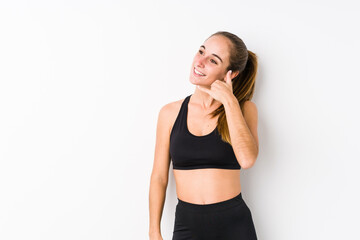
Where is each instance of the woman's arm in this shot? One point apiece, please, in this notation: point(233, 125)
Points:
point(160, 172)
point(243, 130)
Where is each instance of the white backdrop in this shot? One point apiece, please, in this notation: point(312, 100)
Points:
point(82, 82)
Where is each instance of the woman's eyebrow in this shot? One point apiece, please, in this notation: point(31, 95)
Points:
point(213, 54)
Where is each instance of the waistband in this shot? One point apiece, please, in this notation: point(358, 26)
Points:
point(232, 202)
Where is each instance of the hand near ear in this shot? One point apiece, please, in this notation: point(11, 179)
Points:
point(220, 89)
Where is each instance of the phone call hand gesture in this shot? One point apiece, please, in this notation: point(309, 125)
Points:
point(220, 90)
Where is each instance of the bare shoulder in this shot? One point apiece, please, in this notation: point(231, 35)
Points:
point(169, 112)
point(250, 108)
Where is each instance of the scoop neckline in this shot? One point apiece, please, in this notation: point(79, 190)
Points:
point(186, 122)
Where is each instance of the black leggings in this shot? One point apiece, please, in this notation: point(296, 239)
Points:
point(227, 220)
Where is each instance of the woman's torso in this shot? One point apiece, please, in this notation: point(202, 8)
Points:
point(206, 185)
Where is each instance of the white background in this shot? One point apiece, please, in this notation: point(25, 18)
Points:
point(82, 82)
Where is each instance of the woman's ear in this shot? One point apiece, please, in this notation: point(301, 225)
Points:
point(234, 74)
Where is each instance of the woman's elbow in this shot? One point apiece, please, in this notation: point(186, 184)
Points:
point(248, 164)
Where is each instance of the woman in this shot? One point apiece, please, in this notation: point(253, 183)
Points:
point(209, 136)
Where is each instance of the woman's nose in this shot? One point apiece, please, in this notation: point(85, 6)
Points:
point(200, 61)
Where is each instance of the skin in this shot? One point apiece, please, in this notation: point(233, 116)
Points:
point(204, 186)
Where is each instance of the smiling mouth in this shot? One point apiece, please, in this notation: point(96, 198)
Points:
point(197, 73)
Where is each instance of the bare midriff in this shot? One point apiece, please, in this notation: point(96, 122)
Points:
point(207, 185)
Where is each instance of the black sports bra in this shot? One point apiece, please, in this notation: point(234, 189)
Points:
point(188, 151)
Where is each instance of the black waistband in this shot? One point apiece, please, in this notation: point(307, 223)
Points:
point(232, 202)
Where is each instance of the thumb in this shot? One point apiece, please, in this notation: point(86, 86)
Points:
point(228, 77)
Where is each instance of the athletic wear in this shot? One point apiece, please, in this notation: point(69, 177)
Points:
point(226, 220)
point(193, 152)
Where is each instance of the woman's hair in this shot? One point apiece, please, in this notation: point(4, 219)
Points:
point(245, 61)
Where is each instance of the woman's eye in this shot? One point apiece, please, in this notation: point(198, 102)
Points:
point(212, 60)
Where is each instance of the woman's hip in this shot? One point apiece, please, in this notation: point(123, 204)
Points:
point(229, 219)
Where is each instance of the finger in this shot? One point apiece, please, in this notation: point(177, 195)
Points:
point(228, 77)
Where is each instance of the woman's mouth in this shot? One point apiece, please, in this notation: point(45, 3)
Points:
point(197, 73)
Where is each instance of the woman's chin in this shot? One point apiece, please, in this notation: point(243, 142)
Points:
point(195, 80)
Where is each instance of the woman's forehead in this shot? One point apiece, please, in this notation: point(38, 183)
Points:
point(218, 45)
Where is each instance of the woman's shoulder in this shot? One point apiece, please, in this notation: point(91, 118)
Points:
point(169, 111)
point(171, 108)
point(249, 107)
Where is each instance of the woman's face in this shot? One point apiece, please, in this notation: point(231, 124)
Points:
point(211, 60)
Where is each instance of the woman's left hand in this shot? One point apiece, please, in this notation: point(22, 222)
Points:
point(220, 90)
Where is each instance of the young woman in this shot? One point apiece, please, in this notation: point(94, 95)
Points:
point(209, 136)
